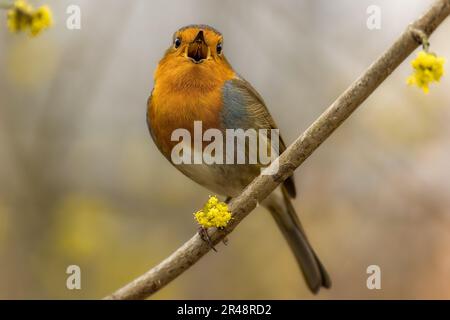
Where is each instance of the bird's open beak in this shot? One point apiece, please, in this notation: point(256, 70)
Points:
point(198, 50)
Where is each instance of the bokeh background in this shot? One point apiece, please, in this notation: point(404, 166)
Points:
point(82, 183)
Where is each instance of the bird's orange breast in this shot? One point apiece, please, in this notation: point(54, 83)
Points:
point(183, 93)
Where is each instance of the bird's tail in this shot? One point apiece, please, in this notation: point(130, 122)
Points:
point(287, 220)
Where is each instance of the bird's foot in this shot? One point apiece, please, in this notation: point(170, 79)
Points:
point(225, 241)
point(203, 233)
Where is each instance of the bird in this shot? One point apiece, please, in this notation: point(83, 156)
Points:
point(195, 82)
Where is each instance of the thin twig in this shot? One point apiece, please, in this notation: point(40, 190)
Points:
point(195, 248)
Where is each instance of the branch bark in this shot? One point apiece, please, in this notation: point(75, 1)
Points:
point(195, 248)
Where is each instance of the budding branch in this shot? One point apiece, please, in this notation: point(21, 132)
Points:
point(195, 248)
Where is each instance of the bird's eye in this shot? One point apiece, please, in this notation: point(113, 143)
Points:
point(177, 43)
point(219, 48)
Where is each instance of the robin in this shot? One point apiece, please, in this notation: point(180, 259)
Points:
point(195, 83)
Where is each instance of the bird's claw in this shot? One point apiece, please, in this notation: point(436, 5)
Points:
point(225, 241)
point(203, 232)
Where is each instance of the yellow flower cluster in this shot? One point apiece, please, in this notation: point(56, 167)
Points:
point(427, 68)
point(214, 214)
point(22, 17)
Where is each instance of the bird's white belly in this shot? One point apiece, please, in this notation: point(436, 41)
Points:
point(223, 179)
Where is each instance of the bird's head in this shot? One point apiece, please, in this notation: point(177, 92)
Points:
point(197, 44)
point(195, 50)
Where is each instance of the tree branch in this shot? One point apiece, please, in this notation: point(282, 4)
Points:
point(195, 248)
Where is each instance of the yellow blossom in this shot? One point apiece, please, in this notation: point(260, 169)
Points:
point(427, 68)
point(19, 16)
point(42, 19)
point(214, 214)
point(22, 17)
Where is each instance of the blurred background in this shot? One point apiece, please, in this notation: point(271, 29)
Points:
point(82, 182)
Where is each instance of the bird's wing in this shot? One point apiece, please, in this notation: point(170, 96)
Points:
point(245, 109)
